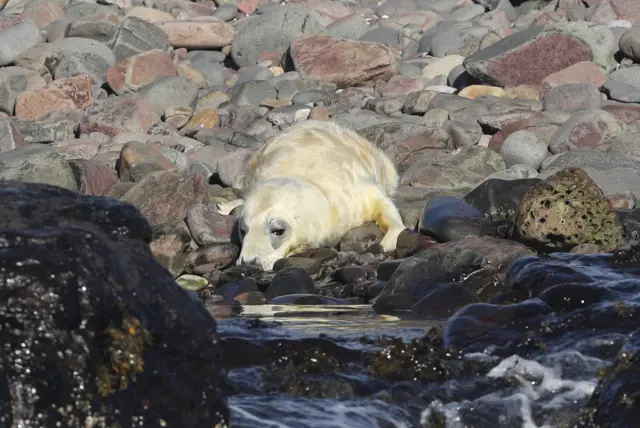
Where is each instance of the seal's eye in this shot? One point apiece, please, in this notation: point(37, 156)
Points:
point(278, 231)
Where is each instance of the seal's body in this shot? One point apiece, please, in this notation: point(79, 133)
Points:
point(309, 186)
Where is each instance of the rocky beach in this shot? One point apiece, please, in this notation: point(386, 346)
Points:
point(511, 300)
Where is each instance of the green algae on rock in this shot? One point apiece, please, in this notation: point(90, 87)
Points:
point(568, 209)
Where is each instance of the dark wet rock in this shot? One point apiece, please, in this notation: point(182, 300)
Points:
point(100, 329)
point(361, 238)
point(165, 195)
point(322, 255)
point(352, 274)
point(386, 269)
point(290, 281)
point(411, 242)
point(477, 326)
point(211, 257)
point(465, 260)
point(498, 200)
point(311, 265)
point(447, 219)
point(168, 245)
point(444, 302)
point(234, 289)
point(567, 209)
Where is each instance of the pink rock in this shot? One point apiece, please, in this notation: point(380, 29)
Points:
point(70, 93)
point(581, 72)
point(626, 113)
point(120, 114)
point(198, 33)
point(627, 9)
point(248, 6)
point(7, 21)
point(136, 71)
point(527, 57)
point(166, 196)
point(43, 13)
point(94, 177)
point(343, 62)
point(401, 85)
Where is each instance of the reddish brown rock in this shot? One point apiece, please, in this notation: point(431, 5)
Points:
point(527, 57)
point(135, 153)
point(120, 114)
point(533, 123)
point(43, 13)
point(343, 62)
point(198, 33)
point(585, 129)
point(94, 177)
point(7, 21)
point(626, 113)
point(60, 95)
point(211, 257)
point(401, 85)
point(166, 196)
point(208, 226)
point(581, 72)
point(132, 73)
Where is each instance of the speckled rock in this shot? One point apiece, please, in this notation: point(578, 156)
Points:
point(568, 209)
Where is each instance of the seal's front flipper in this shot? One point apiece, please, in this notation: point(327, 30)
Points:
point(225, 208)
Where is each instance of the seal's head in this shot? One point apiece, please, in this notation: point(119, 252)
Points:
point(280, 217)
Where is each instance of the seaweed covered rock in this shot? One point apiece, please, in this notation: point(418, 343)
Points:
point(95, 332)
point(568, 209)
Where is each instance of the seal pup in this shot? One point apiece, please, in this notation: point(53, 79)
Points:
point(307, 187)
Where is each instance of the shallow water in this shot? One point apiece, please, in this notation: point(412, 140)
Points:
point(535, 371)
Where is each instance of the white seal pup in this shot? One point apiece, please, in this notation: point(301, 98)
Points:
point(310, 185)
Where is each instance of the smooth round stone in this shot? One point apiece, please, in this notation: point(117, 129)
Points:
point(226, 12)
point(524, 147)
point(386, 269)
point(448, 219)
point(311, 97)
point(290, 281)
point(310, 265)
point(499, 200)
point(192, 282)
point(392, 302)
point(234, 289)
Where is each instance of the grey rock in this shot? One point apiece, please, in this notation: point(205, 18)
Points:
point(227, 12)
point(257, 72)
point(466, 12)
point(624, 85)
point(46, 130)
point(209, 64)
point(515, 172)
point(80, 45)
point(16, 40)
point(137, 35)
point(272, 31)
point(252, 93)
point(231, 167)
point(524, 147)
point(288, 115)
point(10, 137)
point(170, 91)
point(572, 97)
point(384, 36)
point(13, 81)
point(629, 43)
point(465, 133)
point(102, 30)
point(93, 65)
point(585, 128)
point(36, 164)
point(351, 27)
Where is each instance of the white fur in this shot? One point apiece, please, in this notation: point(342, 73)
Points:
point(317, 181)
